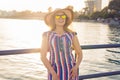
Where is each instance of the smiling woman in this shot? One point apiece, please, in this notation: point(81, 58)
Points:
point(58, 41)
point(38, 5)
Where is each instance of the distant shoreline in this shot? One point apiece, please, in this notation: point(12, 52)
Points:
point(37, 18)
point(111, 23)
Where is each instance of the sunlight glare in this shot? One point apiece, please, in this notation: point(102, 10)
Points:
point(39, 5)
point(29, 33)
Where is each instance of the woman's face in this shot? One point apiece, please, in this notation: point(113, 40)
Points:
point(60, 19)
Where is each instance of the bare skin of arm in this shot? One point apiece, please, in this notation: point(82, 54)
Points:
point(78, 52)
point(44, 51)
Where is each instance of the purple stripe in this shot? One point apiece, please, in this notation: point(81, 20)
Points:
point(68, 59)
point(52, 55)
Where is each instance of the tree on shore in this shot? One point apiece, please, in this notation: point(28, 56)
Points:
point(114, 7)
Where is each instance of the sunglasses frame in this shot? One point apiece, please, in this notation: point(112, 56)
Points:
point(63, 16)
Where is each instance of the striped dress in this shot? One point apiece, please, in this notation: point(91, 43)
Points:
point(61, 57)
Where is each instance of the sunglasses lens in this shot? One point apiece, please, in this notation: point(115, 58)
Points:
point(57, 17)
point(63, 16)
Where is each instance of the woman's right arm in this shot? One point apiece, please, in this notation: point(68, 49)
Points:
point(44, 51)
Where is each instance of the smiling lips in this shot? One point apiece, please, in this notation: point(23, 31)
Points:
point(60, 21)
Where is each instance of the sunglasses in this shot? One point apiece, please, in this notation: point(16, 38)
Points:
point(62, 16)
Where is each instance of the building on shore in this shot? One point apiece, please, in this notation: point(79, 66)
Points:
point(95, 5)
point(89, 6)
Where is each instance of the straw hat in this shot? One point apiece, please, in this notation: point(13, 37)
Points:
point(49, 18)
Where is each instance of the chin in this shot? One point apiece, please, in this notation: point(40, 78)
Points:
point(61, 24)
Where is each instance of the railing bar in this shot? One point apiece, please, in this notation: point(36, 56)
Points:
point(19, 51)
point(84, 47)
point(99, 46)
point(99, 75)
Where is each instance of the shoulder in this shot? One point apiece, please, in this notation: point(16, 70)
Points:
point(46, 33)
point(72, 33)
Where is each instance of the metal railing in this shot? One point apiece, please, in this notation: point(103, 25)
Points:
point(84, 47)
point(99, 75)
point(35, 50)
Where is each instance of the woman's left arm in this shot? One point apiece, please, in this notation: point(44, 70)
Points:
point(78, 51)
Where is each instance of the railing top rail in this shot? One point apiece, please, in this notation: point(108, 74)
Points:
point(99, 75)
point(100, 46)
point(35, 50)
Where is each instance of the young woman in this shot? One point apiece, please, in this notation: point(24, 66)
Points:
point(59, 42)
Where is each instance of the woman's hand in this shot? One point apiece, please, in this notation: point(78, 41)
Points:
point(73, 72)
point(55, 76)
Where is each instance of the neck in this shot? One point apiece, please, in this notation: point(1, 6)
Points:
point(59, 29)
